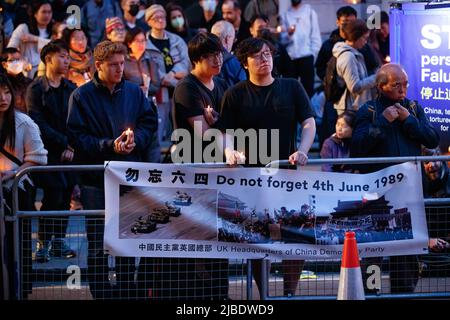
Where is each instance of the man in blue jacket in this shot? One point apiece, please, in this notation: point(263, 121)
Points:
point(393, 126)
point(100, 112)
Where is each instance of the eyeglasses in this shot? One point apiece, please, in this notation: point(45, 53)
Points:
point(265, 54)
point(214, 57)
point(158, 18)
point(399, 85)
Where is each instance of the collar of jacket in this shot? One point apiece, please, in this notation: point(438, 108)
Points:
point(46, 85)
point(98, 83)
point(386, 102)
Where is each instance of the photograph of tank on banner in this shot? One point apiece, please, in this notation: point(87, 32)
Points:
point(168, 213)
point(317, 220)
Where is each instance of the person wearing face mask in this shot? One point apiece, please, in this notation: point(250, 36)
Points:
point(14, 66)
point(130, 9)
point(204, 14)
point(177, 22)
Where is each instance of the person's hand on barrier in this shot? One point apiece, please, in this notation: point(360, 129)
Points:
point(234, 157)
point(403, 113)
point(211, 115)
point(124, 144)
point(391, 113)
point(436, 244)
point(299, 157)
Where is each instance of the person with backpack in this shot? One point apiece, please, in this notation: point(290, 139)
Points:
point(351, 69)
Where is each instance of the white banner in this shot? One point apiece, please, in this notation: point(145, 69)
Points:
point(158, 210)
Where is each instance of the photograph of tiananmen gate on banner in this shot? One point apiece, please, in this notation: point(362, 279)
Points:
point(371, 220)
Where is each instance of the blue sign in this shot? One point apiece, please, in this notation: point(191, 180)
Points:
point(420, 42)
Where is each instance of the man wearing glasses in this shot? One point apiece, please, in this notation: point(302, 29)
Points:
point(392, 126)
point(196, 105)
point(265, 102)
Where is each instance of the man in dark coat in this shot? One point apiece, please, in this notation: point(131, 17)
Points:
point(47, 101)
point(392, 126)
point(100, 114)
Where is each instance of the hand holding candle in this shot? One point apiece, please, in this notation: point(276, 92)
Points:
point(130, 137)
point(211, 116)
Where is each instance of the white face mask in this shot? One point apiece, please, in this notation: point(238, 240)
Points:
point(209, 5)
point(15, 67)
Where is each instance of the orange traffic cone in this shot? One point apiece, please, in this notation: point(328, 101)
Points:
point(350, 279)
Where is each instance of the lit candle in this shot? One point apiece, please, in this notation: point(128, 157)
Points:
point(128, 132)
point(388, 59)
point(208, 108)
point(279, 29)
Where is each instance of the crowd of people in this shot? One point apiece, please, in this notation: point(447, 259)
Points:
point(72, 88)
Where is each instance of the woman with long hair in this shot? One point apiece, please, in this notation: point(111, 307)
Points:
point(32, 37)
point(20, 147)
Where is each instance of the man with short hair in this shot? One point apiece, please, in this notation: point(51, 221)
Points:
point(196, 106)
point(265, 102)
point(100, 112)
point(231, 12)
point(392, 126)
point(232, 71)
point(47, 100)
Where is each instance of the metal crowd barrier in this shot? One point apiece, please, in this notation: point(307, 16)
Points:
point(68, 279)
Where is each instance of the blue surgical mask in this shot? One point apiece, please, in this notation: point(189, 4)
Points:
point(209, 5)
point(177, 22)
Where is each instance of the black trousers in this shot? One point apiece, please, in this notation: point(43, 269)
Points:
point(304, 68)
point(54, 199)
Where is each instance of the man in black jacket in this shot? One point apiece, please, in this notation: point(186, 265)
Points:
point(100, 112)
point(47, 100)
point(392, 126)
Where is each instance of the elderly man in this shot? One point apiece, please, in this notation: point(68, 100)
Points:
point(232, 71)
point(392, 126)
